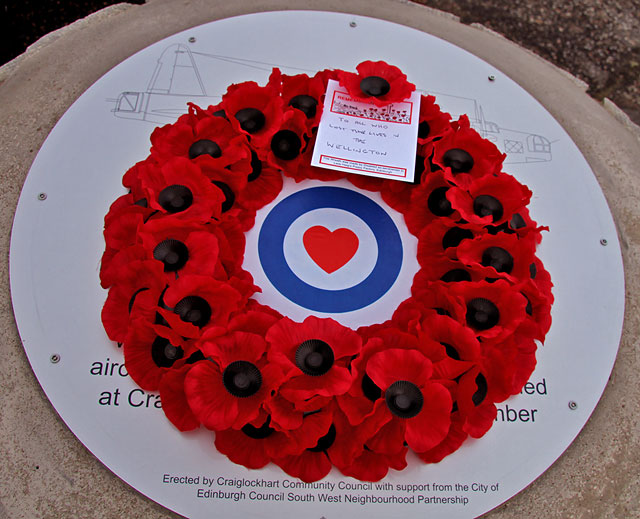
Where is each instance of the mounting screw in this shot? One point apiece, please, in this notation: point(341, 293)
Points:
point(353, 24)
point(492, 77)
point(192, 39)
point(55, 358)
point(42, 196)
point(572, 405)
point(603, 241)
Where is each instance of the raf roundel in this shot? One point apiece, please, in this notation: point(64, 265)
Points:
point(274, 263)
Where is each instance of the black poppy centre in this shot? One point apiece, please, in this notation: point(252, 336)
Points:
point(438, 203)
point(404, 399)
point(242, 378)
point(173, 253)
point(251, 120)
point(369, 388)
point(325, 441)
point(194, 310)
point(205, 147)
point(375, 86)
point(314, 357)
point(460, 161)
point(259, 433)
point(305, 103)
point(229, 195)
point(175, 198)
point(498, 258)
point(286, 145)
point(487, 205)
point(163, 353)
point(482, 314)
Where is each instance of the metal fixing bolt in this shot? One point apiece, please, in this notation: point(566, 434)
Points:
point(192, 39)
point(491, 78)
point(42, 196)
point(572, 405)
point(353, 24)
point(603, 241)
point(55, 358)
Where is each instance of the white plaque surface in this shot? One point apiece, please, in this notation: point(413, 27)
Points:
point(57, 244)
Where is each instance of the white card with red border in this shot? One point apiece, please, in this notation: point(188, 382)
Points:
point(362, 138)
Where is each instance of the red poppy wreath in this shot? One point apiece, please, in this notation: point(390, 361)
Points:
point(308, 396)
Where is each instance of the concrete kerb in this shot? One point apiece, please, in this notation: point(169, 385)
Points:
point(596, 477)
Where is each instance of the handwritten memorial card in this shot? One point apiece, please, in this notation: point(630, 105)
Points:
point(362, 138)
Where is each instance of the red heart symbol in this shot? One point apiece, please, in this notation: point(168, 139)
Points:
point(330, 250)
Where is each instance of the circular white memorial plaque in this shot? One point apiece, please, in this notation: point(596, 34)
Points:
point(57, 244)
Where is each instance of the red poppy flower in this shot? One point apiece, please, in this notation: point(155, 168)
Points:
point(377, 82)
point(429, 201)
point(151, 350)
point(181, 248)
point(198, 301)
point(228, 389)
point(433, 123)
point(415, 404)
point(120, 233)
point(477, 411)
point(136, 294)
point(502, 256)
point(124, 204)
point(398, 194)
point(174, 400)
point(303, 93)
point(121, 227)
point(264, 183)
point(537, 320)
point(232, 187)
point(443, 236)
point(429, 299)
point(452, 347)
point(493, 310)
point(255, 444)
point(314, 354)
point(131, 180)
point(209, 141)
point(113, 261)
point(254, 111)
point(231, 244)
point(316, 435)
point(179, 188)
point(288, 143)
point(337, 445)
point(465, 155)
point(541, 279)
point(492, 199)
point(452, 442)
point(254, 318)
point(373, 466)
point(508, 364)
point(358, 402)
point(447, 270)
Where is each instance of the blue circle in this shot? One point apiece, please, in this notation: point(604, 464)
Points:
point(377, 283)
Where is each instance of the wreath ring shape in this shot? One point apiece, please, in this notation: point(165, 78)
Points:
point(311, 395)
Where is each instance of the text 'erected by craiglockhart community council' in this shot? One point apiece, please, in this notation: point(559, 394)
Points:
point(220, 487)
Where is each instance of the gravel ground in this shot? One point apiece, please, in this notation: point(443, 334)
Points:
point(599, 42)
